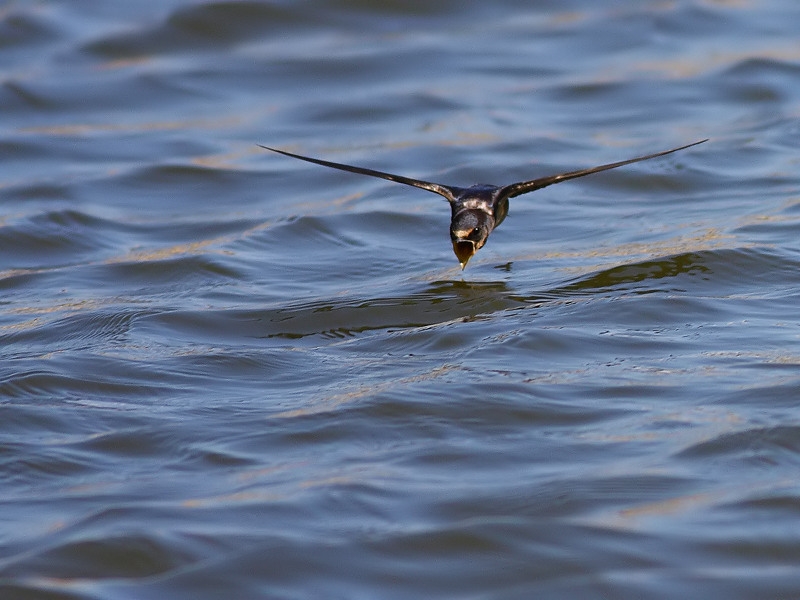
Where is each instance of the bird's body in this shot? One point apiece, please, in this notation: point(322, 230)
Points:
point(477, 210)
point(475, 213)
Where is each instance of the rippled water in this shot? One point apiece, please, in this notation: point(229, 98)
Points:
point(226, 373)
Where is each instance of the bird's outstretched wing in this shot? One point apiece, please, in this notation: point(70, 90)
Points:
point(450, 193)
point(523, 187)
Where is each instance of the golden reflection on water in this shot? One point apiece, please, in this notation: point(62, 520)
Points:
point(607, 257)
point(329, 403)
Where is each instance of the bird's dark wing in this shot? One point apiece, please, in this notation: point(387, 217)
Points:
point(523, 187)
point(448, 192)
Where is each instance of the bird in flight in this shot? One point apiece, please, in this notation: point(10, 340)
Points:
point(477, 210)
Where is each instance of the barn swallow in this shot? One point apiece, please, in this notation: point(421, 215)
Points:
point(477, 210)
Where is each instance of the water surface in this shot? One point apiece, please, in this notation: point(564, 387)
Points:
point(226, 373)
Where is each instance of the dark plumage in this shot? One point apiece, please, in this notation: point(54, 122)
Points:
point(479, 209)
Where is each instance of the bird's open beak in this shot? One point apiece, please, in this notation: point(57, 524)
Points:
point(464, 250)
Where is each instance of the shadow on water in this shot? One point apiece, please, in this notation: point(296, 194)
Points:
point(439, 302)
point(630, 276)
point(451, 300)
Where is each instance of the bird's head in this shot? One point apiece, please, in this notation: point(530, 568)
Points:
point(469, 230)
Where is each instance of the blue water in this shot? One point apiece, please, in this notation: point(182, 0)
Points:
point(229, 374)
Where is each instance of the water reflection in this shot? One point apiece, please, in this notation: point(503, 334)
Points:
point(448, 300)
point(622, 276)
point(442, 301)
